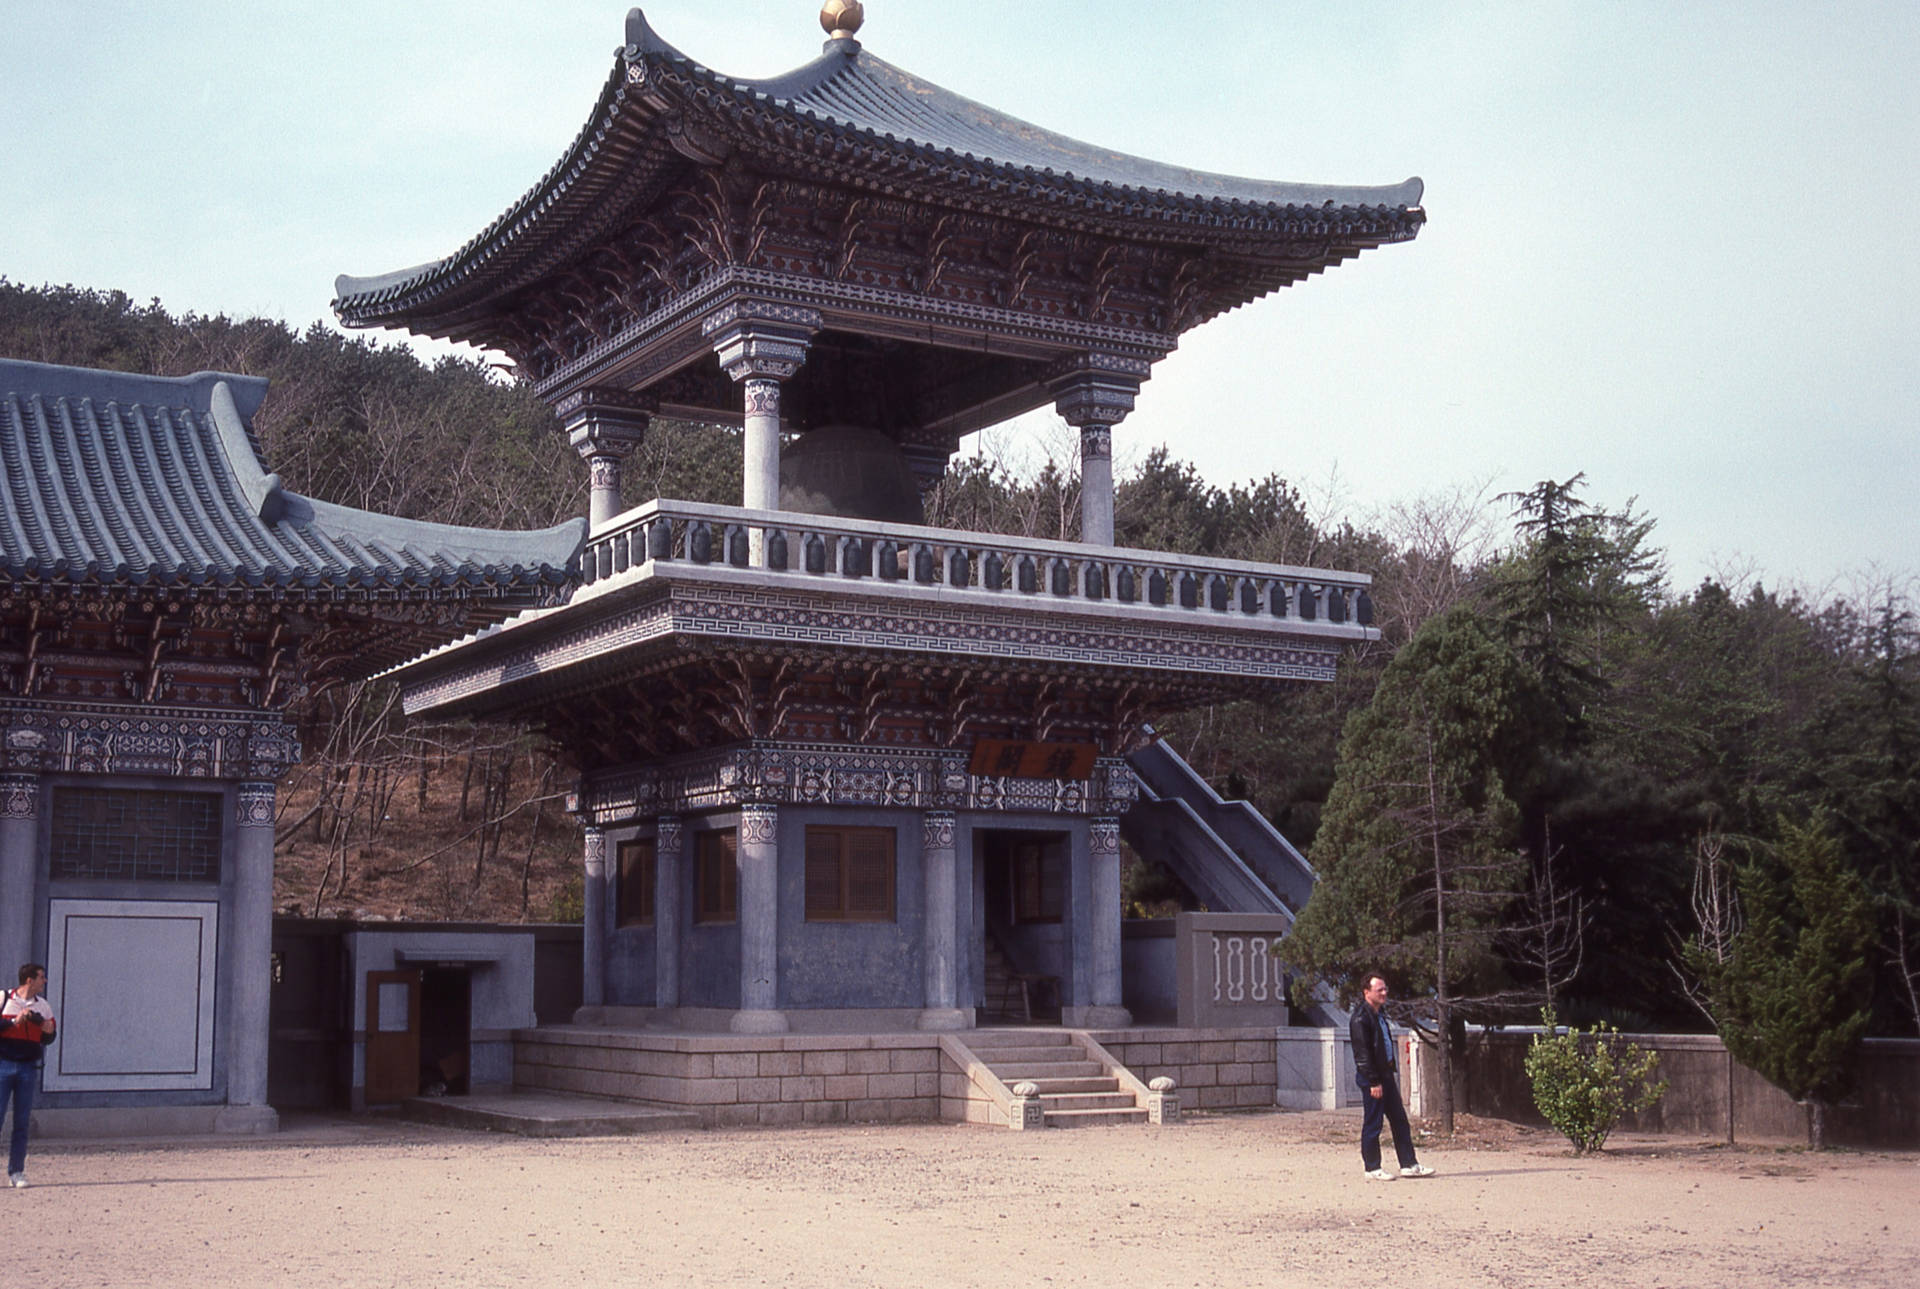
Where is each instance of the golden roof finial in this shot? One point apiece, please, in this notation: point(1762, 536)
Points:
point(841, 18)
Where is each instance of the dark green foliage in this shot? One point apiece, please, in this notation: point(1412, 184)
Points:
point(1583, 1082)
point(1416, 853)
point(1792, 999)
point(1577, 573)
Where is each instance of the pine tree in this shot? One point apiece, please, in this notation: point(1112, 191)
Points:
point(1792, 998)
point(1416, 849)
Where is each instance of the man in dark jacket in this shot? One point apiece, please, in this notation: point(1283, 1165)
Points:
point(1373, 1070)
point(26, 1028)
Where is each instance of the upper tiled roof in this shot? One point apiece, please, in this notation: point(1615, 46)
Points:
point(109, 479)
point(849, 112)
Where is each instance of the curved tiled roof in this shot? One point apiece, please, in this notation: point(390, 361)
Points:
point(850, 112)
point(109, 479)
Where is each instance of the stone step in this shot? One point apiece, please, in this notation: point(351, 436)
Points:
point(1094, 1118)
point(1028, 1055)
point(998, 1038)
point(1064, 1087)
point(1012, 1072)
point(547, 1114)
point(1116, 1100)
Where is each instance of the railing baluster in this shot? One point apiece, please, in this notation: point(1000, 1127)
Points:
point(777, 550)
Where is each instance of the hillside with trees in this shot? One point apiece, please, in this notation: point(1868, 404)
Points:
point(1613, 769)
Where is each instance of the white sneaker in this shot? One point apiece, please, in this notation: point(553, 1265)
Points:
point(1379, 1175)
point(17, 1180)
point(1418, 1170)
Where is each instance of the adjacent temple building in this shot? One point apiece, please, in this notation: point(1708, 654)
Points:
point(851, 785)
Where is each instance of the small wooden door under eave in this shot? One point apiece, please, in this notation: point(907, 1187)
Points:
point(393, 1036)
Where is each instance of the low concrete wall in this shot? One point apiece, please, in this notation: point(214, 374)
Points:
point(1214, 1069)
point(1709, 1094)
point(1313, 1069)
point(742, 1080)
point(736, 1080)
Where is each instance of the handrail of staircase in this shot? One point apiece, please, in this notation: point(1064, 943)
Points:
point(977, 1073)
point(1254, 895)
point(1159, 756)
point(1122, 1076)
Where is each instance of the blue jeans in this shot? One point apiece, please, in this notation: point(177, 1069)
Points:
point(1385, 1106)
point(19, 1080)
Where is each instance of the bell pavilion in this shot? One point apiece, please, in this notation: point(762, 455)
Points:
point(842, 772)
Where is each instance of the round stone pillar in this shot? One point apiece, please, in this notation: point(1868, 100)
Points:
point(1096, 485)
point(1103, 855)
point(669, 864)
point(760, 344)
point(593, 929)
point(1093, 393)
point(19, 868)
point(604, 426)
point(251, 998)
point(758, 853)
point(941, 933)
point(760, 474)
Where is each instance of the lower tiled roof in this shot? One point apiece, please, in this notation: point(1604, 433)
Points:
point(115, 479)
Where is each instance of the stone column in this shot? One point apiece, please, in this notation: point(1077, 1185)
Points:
point(1103, 855)
point(669, 872)
point(604, 426)
point(1094, 393)
point(761, 344)
point(941, 932)
point(758, 852)
point(1096, 485)
point(19, 868)
point(593, 929)
point(252, 940)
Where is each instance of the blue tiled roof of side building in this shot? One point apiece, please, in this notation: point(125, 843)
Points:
point(117, 478)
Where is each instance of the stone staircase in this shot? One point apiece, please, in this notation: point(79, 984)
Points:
point(1074, 1088)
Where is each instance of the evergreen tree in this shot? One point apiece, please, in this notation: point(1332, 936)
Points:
point(1416, 848)
point(1792, 998)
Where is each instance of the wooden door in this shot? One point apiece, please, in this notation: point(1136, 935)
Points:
point(393, 1036)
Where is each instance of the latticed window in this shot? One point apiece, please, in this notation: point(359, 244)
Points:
point(716, 876)
point(1039, 881)
point(636, 882)
point(135, 835)
point(849, 874)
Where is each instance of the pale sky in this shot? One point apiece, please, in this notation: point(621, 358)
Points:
point(1667, 243)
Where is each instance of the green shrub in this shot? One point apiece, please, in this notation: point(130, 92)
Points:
point(1584, 1080)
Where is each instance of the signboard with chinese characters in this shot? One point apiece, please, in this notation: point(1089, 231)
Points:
point(1013, 758)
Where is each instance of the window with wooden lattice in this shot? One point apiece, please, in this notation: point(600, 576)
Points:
point(636, 882)
point(1039, 880)
point(716, 896)
point(849, 874)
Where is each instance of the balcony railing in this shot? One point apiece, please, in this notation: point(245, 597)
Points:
point(819, 549)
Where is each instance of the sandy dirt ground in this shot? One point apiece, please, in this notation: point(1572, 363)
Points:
point(1265, 1199)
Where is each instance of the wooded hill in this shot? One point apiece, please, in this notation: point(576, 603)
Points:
point(1645, 745)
